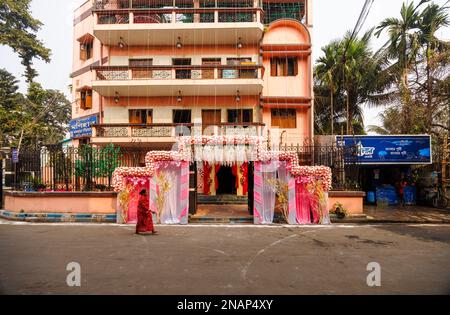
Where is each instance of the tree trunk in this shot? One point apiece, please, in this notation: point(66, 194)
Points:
point(429, 92)
point(332, 111)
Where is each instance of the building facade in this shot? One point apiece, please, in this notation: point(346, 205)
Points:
point(146, 71)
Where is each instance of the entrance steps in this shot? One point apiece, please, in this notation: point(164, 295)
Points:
point(222, 200)
point(220, 220)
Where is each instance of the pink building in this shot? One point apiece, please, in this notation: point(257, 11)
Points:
point(146, 71)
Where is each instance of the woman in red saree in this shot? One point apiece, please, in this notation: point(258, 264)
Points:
point(144, 216)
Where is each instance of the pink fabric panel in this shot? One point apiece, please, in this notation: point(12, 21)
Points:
point(184, 179)
point(184, 194)
point(303, 204)
point(184, 213)
point(258, 180)
point(257, 197)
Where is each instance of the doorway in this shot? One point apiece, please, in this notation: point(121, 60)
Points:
point(226, 181)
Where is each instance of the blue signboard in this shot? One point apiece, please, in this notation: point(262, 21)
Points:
point(82, 127)
point(15, 155)
point(387, 149)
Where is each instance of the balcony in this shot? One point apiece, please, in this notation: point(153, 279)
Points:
point(167, 133)
point(120, 22)
point(147, 81)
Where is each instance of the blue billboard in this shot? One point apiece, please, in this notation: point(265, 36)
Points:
point(82, 127)
point(387, 149)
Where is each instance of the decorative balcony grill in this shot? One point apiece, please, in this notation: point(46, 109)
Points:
point(174, 130)
point(117, 73)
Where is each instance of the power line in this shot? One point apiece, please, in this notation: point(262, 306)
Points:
point(359, 24)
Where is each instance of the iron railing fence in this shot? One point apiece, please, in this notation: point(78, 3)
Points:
point(343, 162)
point(86, 168)
point(89, 168)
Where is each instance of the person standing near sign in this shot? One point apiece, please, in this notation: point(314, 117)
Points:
point(401, 191)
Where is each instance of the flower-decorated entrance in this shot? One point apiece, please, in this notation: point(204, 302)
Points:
point(279, 183)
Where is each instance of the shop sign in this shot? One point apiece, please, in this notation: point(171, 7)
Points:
point(386, 149)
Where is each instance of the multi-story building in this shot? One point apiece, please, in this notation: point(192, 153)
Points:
point(146, 70)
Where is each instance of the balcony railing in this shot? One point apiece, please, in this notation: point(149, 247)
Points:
point(174, 130)
point(178, 15)
point(164, 4)
point(120, 73)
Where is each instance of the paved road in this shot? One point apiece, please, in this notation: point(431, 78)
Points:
point(224, 259)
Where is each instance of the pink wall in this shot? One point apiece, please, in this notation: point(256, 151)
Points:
point(203, 101)
point(61, 202)
point(353, 201)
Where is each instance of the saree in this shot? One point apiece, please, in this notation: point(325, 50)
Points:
point(144, 216)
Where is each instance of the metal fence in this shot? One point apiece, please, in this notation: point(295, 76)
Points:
point(343, 162)
point(59, 168)
point(88, 168)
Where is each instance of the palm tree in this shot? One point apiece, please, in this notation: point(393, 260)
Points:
point(432, 19)
point(326, 72)
point(359, 66)
point(403, 46)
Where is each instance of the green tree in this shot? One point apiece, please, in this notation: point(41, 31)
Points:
point(11, 108)
point(348, 81)
point(418, 69)
point(18, 30)
point(326, 71)
point(433, 18)
point(47, 115)
point(402, 47)
point(95, 163)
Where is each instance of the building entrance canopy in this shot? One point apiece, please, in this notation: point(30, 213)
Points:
point(299, 192)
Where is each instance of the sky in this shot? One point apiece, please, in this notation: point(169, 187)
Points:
point(332, 18)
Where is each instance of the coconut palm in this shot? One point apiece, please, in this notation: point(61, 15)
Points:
point(432, 19)
point(360, 68)
point(326, 72)
point(403, 47)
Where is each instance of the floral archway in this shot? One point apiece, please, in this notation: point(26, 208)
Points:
point(300, 192)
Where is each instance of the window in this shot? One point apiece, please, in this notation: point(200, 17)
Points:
point(239, 116)
point(86, 99)
point(182, 74)
point(181, 116)
point(284, 118)
point(140, 116)
point(86, 49)
point(283, 67)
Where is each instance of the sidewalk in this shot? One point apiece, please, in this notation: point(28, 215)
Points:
point(398, 214)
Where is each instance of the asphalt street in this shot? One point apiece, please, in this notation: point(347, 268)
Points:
point(414, 259)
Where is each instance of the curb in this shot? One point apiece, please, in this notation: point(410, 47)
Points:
point(58, 217)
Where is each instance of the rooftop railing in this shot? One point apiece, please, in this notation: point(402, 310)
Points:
point(163, 12)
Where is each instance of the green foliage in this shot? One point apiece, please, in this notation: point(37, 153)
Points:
point(40, 118)
point(418, 70)
point(11, 104)
point(18, 30)
point(97, 163)
point(409, 75)
point(337, 75)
